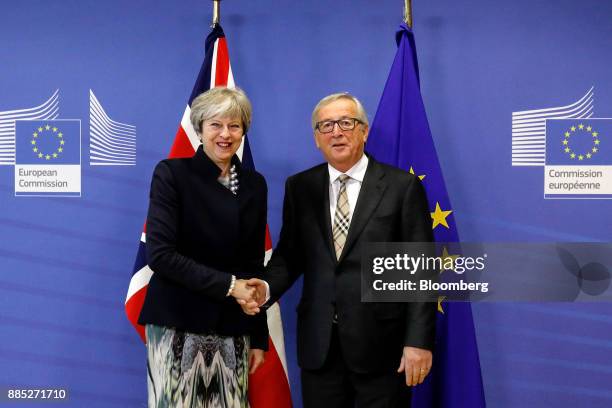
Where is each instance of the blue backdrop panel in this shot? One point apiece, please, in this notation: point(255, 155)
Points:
point(65, 262)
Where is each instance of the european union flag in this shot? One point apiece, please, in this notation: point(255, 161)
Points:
point(400, 136)
point(48, 142)
point(579, 142)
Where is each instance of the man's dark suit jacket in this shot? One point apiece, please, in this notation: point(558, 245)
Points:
point(391, 207)
point(198, 235)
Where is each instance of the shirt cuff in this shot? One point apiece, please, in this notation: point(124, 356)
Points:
point(267, 292)
point(231, 287)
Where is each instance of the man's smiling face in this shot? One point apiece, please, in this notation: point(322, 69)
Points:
point(341, 148)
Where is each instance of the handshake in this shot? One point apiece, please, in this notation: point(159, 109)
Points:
point(250, 294)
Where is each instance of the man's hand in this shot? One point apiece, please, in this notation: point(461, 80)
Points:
point(242, 290)
point(251, 305)
point(256, 358)
point(416, 364)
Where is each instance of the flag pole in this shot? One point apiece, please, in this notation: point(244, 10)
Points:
point(216, 13)
point(408, 12)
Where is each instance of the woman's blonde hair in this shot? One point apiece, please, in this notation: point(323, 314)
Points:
point(221, 102)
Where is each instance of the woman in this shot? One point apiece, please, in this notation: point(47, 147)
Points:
point(205, 238)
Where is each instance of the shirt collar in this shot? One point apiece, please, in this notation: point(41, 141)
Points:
point(357, 172)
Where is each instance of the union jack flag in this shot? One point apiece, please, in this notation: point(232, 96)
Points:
point(269, 386)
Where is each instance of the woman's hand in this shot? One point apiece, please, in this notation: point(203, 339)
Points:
point(256, 358)
point(242, 291)
point(251, 307)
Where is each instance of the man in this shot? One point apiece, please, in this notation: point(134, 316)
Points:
point(351, 353)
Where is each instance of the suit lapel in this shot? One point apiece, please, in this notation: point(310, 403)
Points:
point(321, 200)
point(372, 190)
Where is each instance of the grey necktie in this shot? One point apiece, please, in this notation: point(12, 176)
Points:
point(342, 219)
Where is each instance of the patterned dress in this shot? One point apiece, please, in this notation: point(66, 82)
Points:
point(193, 370)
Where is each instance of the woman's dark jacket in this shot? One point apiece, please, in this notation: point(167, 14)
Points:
point(198, 234)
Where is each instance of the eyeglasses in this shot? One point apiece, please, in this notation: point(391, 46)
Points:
point(327, 126)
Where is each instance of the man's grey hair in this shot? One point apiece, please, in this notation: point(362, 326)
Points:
point(221, 102)
point(361, 113)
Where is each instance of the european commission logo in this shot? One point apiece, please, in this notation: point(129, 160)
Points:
point(578, 158)
point(574, 148)
point(48, 157)
point(46, 151)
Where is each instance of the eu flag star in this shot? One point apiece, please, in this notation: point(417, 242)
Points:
point(595, 134)
point(47, 127)
point(35, 149)
point(440, 300)
point(588, 155)
point(580, 157)
point(61, 142)
point(567, 134)
point(448, 260)
point(596, 142)
point(40, 155)
point(567, 150)
point(439, 216)
point(55, 155)
point(47, 157)
point(565, 142)
point(581, 126)
point(573, 155)
point(589, 128)
point(594, 150)
point(573, 128)
point(421, 177)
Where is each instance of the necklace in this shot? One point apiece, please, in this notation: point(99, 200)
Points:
point(233, 182)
